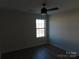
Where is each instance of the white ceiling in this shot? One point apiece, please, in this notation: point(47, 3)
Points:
point(34, 6)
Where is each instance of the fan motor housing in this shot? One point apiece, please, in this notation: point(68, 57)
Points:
point(43, 10)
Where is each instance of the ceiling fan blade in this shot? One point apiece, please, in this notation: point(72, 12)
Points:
point(53, 9)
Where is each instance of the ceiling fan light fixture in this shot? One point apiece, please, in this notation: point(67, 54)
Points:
point(43, 11)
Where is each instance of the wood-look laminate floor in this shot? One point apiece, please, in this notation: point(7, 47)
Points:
point(39, 52)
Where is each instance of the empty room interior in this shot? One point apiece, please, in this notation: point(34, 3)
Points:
point(39, 29)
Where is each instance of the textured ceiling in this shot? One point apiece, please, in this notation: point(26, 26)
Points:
point(34, 6)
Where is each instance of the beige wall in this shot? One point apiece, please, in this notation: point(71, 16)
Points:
point(64, 30)
point(18, 32)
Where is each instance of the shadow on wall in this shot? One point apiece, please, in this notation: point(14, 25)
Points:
point(64, 30)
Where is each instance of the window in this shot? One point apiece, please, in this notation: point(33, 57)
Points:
point(40, 28)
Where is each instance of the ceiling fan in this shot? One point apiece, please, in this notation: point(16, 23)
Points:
point(44, 10)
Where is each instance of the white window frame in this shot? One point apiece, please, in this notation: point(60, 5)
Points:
point(44, 28)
